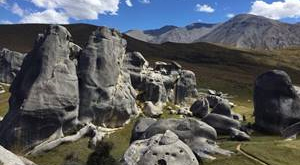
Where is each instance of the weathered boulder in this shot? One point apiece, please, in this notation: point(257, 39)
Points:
point(200, 108)
point(185, 86)
point(155, 91)
point(213, 100)
point(140, 126)
point(199, 136)
point(10, 65)
point(222, 108)
point(226, 126)
point(161, 149)
point(152, 110)
point(44, 95)
point(9, 158)
point(106, 95)
point(276, 102)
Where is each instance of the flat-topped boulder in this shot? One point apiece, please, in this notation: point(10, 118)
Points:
point(44, 96)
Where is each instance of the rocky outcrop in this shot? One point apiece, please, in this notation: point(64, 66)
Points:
point(276, 102)
point(185, 86)
point(10, 65)
point(106, 95)
point(199, 136)
point(160, 149)
point(200, 108)
point(44, 96)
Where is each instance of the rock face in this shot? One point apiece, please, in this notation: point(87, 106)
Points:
point(185, 86)
point(44, 96)
point(199, 136)
point(276, 102)
point(10, 65)
point(161, 149)
point(200, 108)
point(106, 94)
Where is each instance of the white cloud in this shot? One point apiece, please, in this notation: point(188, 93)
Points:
point(61, 11)
point(2, 1)
point(230, 15)
point(204, 8)
point(128, 3)
point(145, 1)
point(16, 9)
point(47, 16)
point(277, 10)
point(6, 22)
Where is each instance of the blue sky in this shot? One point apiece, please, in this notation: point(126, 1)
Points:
point(142, 14)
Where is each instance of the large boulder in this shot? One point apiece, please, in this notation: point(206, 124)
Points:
point(223, 108)
point(140, 126)
point(44, 96)
point(200, 108)
point(276, 102)
point(199, 136)
point(226, 126)
point(10, 65)
point(161, 149)
point(107, 97)
point(185, 86)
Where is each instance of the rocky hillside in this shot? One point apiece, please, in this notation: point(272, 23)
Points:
point(242, 31)
point(187, 34)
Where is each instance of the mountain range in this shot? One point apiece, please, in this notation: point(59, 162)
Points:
point(242, 31)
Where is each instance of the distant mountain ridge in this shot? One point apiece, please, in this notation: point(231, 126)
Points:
point(242, 31)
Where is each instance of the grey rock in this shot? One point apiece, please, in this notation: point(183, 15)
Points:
point(226, 126)
point(152, 110)
point(155, 91)
point(10, 65)
point(184, 111)
point(9, 158)
point(164, 148)
point(222, 108)
point(276, 102)
point(185, 86)
point(213, 100)
point(199, 136)
point(140, 126)
point(106, 95)
point(44, 95)
point(200, 108)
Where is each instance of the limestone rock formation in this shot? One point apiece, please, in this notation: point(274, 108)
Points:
point(226, 126)
point(222, 108)
point(10, 65)
point(44, 96)
point(152, 110)
point(9, 158)
point(199, 136)
point(160, 149)
point(185, 86)
point(276, 102)
point(200, 108)
point(140, 126)
point(106, 95)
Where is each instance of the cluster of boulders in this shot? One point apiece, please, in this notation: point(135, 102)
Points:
point(58, 87)
point(197, 131)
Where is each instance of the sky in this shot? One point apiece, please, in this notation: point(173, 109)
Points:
point(143, 14)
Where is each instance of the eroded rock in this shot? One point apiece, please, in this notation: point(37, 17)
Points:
point(44, 96)
point(106, 95)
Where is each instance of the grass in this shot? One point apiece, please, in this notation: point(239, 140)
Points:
point(4, 101)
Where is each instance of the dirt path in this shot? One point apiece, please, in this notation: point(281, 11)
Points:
point(238, 148)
